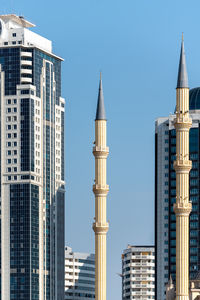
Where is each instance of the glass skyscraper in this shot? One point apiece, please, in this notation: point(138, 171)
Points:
point(32, 183)
point(165, 196)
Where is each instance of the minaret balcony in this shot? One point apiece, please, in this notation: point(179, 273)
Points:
point(182, 165)
point(183, 208)
point(100, 189)
point(100, 151)
point(100, 228)
point(182, 121)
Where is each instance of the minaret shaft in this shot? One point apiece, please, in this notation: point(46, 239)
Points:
point(183, 207)
point(100, 226)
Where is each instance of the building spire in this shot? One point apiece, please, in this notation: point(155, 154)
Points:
point(100, 113)
point(182, 81)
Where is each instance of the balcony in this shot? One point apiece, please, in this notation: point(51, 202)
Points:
point(27, 54)
point(26, 80)
point(26, 71)
point(26, 62)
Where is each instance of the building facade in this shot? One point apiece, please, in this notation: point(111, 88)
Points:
point(79, 275)
point(165, 196)
point(138, 273)
point(32, 164)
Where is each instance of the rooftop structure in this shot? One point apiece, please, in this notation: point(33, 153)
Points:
point(14, 31)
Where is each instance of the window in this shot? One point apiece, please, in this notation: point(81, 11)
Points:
point(193, 250)
point(9, 135)
point(14, 126)
point(193, 191)
point(193, 224)
point(9, 152)
point(8, 119)
point(15, 144)
point(14, 101)
point(14, 34)
point(14, 43)
point(9, 177)
point(15, 135)
point(173, 234)
point(9, 101)
point(9, 161)
point(9, 144)
point(15, 177)
point(24, 92)
point(194, 217)
point(8, 169)
point(14, 169)
point(15, 118)
point(15, 152)
point(15, 161)
point(193, 233)
point(9, 127)
point(193, 182)
point(193, 258)
point(8, 110)
point(15, 109)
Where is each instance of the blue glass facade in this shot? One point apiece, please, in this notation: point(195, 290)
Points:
point(24, 241)
point(38, 61)
point(27, 134)
point(10, 62)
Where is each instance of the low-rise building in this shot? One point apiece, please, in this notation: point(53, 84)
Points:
point(138, 273)
point(79, 275)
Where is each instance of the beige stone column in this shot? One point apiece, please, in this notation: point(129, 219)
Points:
point(100, 226)
point(183, 206)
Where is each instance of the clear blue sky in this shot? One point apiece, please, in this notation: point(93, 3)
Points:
point(136, 44)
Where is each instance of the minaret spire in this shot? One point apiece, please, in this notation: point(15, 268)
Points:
point(100, 113)
point(182, 81)
point(100, 189)
point(182, 166)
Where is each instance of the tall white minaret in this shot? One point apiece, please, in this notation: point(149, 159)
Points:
point(100, 189)
point(182, 165)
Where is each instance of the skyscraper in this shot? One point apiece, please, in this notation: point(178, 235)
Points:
point(138, 273)
point(32, 164)
point(165, 196)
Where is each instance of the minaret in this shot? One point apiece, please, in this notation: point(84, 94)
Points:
point(182, 165)
point(100, 189)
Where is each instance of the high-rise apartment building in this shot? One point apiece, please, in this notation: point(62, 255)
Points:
point(165, 196)
point(138, 273)
point(79, 275)
point(32, 164)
